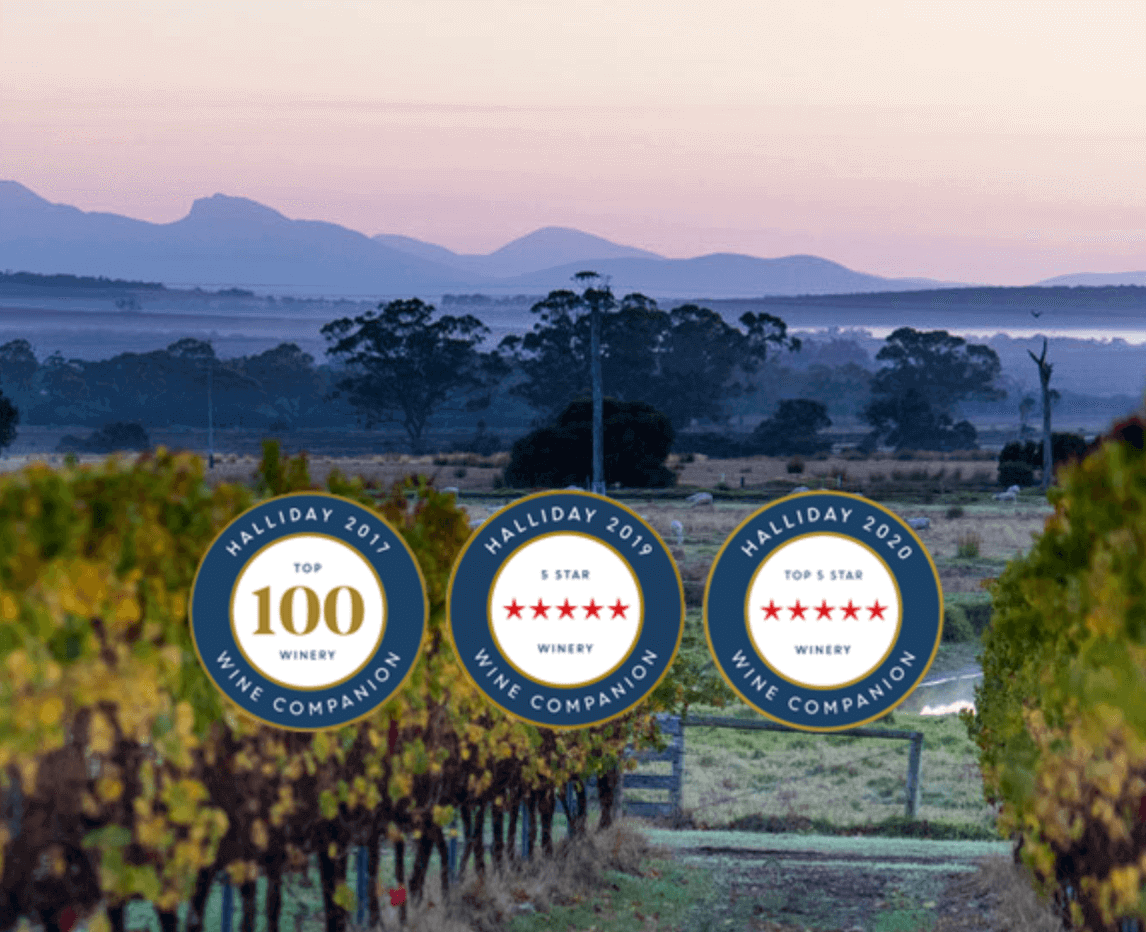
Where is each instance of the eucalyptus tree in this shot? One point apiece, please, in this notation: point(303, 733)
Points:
point(405, 365)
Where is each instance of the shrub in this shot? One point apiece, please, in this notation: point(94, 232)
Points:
point(794, 428)
point(967, 545)
point(976, 606)
point(955, 511)
point(1015, 472)
point(1064, 447)
point(1060, 722)
point(957, 627)
point(118, 435)
point(796, 465)
point(637, 442)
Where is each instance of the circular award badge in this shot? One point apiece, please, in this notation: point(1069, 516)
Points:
point(823, 611)
point(565, 609)
point(307, 611)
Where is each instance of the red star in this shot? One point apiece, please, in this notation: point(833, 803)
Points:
point(798, 610)
point(877, 610)
point(539, 609)
point(850, 610)
point(824, 609)
point(592, 609)
point(772, 609)
point(566, 609)
point(514, 609)
point(618, 609)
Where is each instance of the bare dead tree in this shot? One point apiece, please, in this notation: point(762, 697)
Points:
point(1044, 378)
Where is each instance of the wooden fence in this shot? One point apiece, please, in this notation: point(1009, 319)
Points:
point(673, 726)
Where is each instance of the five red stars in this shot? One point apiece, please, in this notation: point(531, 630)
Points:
point(592, 610)
point(824, 610)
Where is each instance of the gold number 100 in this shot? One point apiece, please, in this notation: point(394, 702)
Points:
point(329, 610)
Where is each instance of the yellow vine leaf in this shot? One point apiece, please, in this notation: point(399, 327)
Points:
point(259, 834)
point(51, 710)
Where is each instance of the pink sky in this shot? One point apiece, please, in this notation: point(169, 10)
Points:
point(1000, 142)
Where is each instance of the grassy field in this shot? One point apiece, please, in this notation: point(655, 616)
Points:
point(755, 779)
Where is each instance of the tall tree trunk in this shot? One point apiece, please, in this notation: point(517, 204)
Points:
point(606, 792)
point(532, 821)
point(421, 863)
point(546, 806)
point(444, 858)
point(117, 917)
point(497, 822)
point(198, 900)
point(476, 843)
point(274, 895)
point(581, 791)
point(400, 875)
point(249, 895)
point(332, 871)
point(511, 833)
point(373, 865)
point(598, 401)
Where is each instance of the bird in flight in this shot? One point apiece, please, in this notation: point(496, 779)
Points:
point(1036, 314)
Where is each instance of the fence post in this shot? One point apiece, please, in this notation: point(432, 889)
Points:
point(228, 906)
point(913, 759)
point(362, 887)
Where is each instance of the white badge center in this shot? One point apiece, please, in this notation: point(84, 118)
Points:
point(823, 610)
point(308, 612)
point(565, 610)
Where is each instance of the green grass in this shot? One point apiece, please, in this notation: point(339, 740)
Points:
point(664, 897)
point(833, 782)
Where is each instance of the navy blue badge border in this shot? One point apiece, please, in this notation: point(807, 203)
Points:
point(726, 628)
point(469, 628)
point(406, 602)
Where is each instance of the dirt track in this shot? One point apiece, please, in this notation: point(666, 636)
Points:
point(777, 884)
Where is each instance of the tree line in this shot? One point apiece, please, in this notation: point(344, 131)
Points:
point(407, 364)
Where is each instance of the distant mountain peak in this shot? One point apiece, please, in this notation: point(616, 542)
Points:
point(568, 239)
point(14, 193)
point(224, 207)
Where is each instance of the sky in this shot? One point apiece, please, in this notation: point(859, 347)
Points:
point(997, 143)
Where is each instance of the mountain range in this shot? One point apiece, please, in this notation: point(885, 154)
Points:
point(229, 241)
